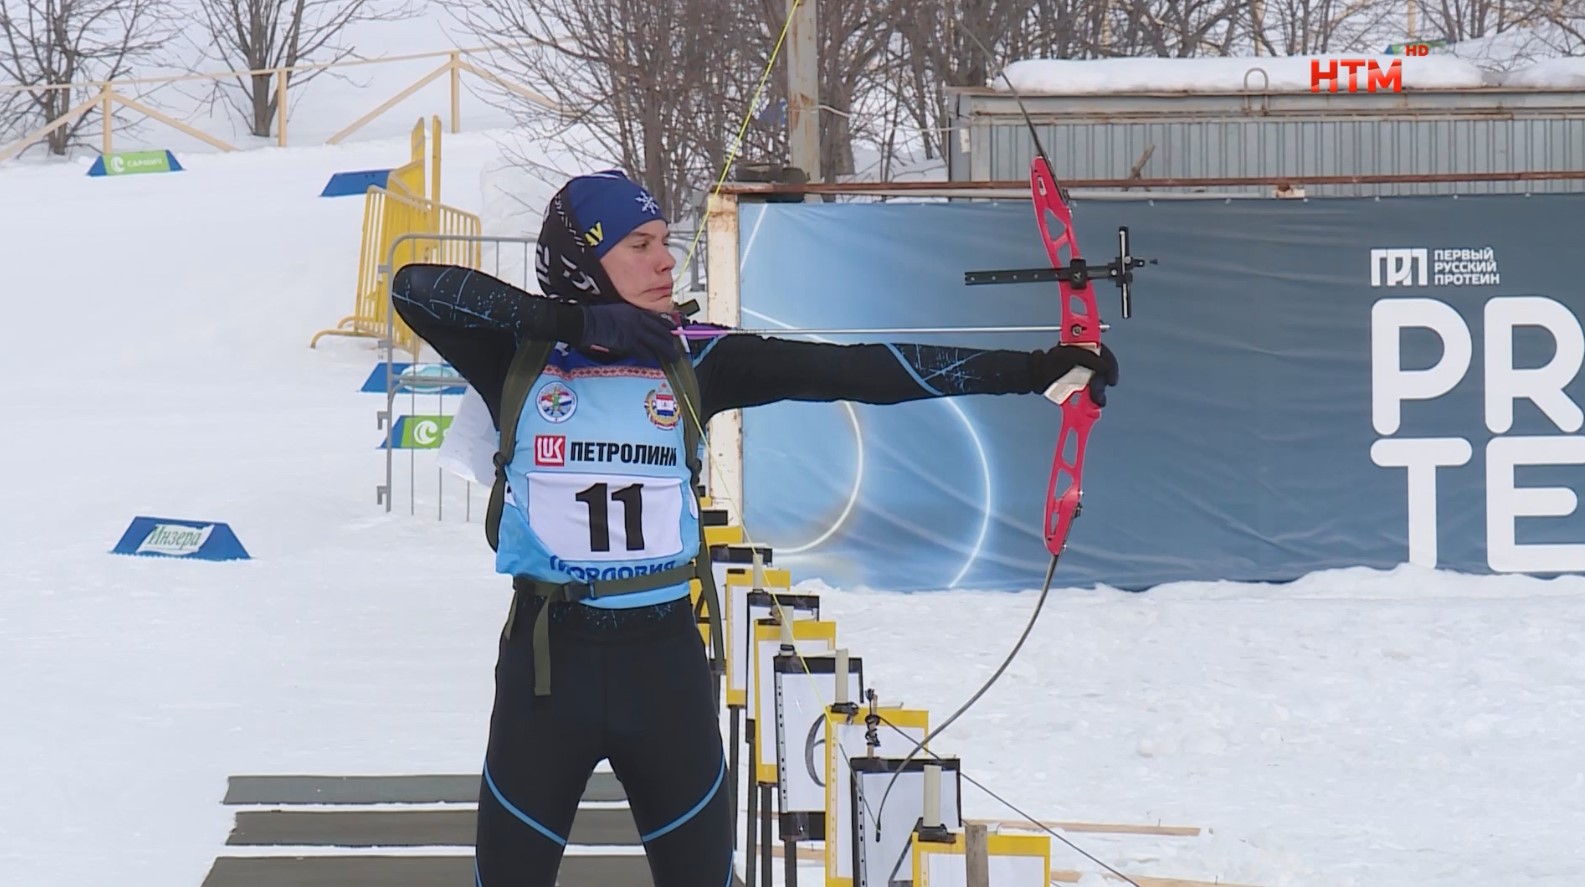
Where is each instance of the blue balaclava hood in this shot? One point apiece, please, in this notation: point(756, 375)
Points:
point(587, 217)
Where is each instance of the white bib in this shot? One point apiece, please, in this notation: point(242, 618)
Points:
point(606, 517)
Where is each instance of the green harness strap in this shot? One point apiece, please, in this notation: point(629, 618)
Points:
point(686, 384)
point(527, 364)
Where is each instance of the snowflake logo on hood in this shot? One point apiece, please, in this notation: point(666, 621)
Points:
point(647, 204)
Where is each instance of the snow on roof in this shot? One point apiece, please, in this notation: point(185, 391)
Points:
point(1270, 74)
point(1549, 73)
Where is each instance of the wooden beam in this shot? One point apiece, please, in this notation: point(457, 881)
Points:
point(28, 140)
point(172, 122)
point(1101, 828)
point(1148, 881)
point(1069, 877)
point(806, 852)
point(388, 104)
point(509, 86)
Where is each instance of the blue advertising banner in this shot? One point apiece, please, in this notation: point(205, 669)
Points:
point(446, 379)
point(1305, 385)
point(182, 538)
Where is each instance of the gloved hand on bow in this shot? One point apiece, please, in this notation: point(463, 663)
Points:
point(626, 330)
point(1047, 366)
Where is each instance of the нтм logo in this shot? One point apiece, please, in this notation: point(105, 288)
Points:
point(1376, 80)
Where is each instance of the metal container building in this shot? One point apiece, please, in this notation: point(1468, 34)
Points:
point(1269, 137)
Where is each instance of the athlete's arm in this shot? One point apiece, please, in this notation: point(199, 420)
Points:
point(738, 371)
point(475, 321)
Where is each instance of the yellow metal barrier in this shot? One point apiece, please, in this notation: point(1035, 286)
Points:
point(408, 204)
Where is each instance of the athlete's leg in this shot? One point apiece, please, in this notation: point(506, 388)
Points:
point(540, 754)
point(664, 742)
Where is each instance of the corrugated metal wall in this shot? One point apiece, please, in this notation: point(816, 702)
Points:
point(1267, 136)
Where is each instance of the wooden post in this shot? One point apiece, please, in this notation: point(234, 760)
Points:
point(722, 255)
point(976, 858)
point(803, 88)
point(106, 112)
point(456, 92)
point(434, 173)
point(280, 107)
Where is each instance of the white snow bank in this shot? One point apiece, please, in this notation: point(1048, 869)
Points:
point(1554, 73)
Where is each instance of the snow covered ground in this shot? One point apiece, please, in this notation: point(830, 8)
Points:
point(1402, 729)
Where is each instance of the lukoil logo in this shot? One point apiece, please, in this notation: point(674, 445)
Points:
point(1421, 266)
point(550, 450)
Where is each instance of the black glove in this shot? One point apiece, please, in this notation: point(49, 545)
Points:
point(626, 330)
point(1046, 367)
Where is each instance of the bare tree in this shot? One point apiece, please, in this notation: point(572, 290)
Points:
point(934, 48)
point(943, 43)
point(259, 35)
point(62, 42)
point(1530, 30)
point(1311, 27)
point(661, 86)
point(851, 43)
point(1179, 28)
point(1559, 25)
point(1454, 20)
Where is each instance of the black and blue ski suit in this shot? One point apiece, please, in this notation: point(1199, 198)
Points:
point(629, 677)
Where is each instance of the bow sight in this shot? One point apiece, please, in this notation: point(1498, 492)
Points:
point(1077, 273)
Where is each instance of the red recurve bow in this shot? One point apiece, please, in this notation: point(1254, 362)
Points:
point(1081, 326)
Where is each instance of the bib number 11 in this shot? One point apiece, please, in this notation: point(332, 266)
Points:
point(603, 517)
point(597, 498)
